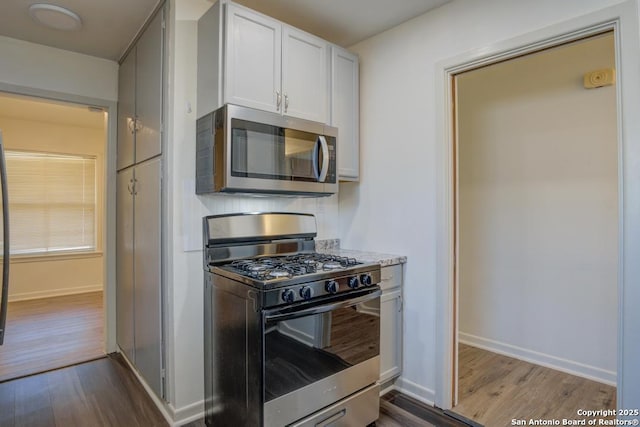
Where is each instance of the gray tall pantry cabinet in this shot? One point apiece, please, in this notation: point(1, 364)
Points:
point(139, 330)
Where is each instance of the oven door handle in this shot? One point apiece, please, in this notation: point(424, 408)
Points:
point(278, 315)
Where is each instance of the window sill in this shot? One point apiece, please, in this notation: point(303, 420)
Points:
point(19, 259)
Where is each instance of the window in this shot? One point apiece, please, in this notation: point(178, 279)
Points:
point(52, 202)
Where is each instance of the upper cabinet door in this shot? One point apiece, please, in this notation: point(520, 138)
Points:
point(253, 57)
point(305, 83)
point(345, 109)
point(149, 91)
point(126, 110)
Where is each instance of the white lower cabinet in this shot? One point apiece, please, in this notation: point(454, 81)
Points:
point(138, 270)
point(391, 323)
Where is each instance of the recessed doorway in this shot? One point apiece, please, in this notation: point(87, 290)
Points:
point(55, 156)
point(537, 234)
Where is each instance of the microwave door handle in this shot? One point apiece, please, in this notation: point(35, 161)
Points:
point(325, 158)
point(277, 315)
point(314, 160)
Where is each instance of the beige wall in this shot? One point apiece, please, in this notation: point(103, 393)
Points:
point(538, 209)
point(57, 275)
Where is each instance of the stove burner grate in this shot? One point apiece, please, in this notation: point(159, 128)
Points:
point(268, 268)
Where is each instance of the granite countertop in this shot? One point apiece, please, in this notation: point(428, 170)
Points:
point(332, 247)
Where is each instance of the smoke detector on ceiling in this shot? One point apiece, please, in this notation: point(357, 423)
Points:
point(55, 17)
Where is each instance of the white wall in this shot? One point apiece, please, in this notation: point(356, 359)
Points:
point(58, 275)
point(393, 208)
point(36, 66)
point(185, 278)
point(538, 209)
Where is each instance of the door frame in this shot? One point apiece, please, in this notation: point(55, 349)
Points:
point(622, 19)
point(109, 228)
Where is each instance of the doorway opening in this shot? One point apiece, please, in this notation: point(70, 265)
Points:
point(56, 173)
point(536, 234)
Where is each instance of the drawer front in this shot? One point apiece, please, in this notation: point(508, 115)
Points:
point(391, 277)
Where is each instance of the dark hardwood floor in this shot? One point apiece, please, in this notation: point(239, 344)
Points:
point(102, 392)
point(105, 392)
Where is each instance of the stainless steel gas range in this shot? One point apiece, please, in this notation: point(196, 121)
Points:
point(291, 336)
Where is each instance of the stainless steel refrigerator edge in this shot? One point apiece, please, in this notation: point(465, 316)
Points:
point(5, 234)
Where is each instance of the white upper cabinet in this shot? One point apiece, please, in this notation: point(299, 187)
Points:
point(149, 78)
point(127, 110)
point(305, 76)
point(260, 62)
point(140, 97)
point(253, 44)
point(345, 94)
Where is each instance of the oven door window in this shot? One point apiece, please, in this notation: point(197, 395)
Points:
point(270, 152)
point(303, 350)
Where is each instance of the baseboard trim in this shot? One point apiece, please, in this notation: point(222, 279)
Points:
point(187, 414)
point(418, 392)
point(162, 406)
point(49, 293)
point(564, 365)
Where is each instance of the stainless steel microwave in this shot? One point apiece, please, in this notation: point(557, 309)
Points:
point(243, 150)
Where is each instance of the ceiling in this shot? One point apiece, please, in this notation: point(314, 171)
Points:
point(42, 110)
point(110, 25)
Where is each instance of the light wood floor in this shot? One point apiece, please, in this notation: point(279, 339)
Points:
point(49, 333)
point(494, 389)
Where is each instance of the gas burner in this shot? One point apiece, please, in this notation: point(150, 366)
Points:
point(331, 265)
point(279, 273)
point(279, 267)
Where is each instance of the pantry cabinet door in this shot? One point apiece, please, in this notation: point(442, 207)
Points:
point(253, 59)
point(305, 75)
point(147, 272)
point(149, 91)
point(124, 264)
point(126, 110)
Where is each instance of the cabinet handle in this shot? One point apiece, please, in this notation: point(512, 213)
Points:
point(132, 186)
point(286, 102)
point(138, 124)
point(131, 124)
point(401, 304)
point(278, 100)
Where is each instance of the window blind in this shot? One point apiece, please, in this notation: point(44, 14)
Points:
point(52, 202)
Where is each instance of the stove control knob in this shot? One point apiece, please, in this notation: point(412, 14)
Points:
point(306, 292)
point(366, 279)
point(353, 282)
point(288, 296)
point(332, 286)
